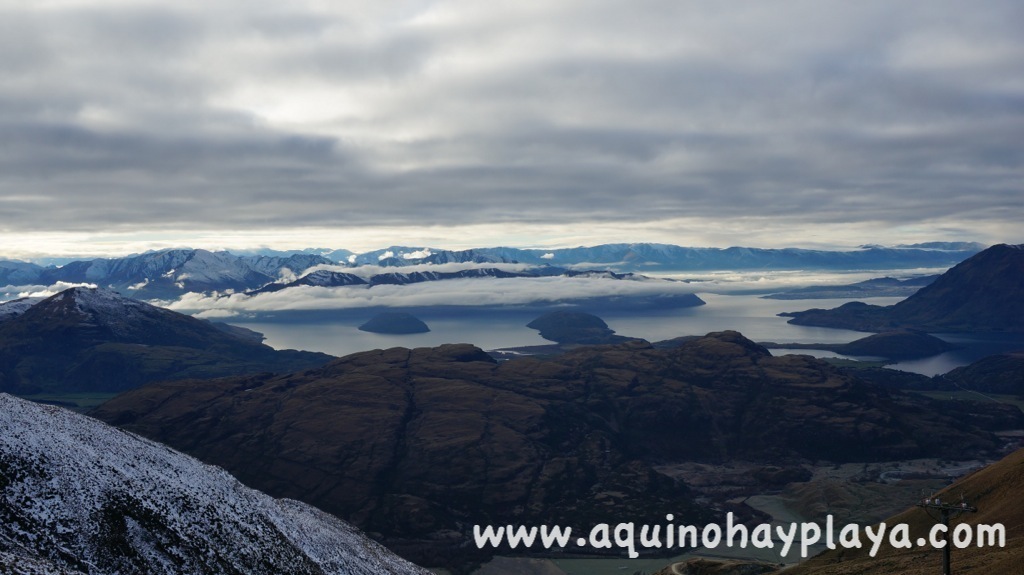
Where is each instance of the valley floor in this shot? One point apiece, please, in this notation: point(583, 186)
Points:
point(852, 493)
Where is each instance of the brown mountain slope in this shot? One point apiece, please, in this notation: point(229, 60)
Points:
point(1002, 373)
point(998, 493)
point(417, 445)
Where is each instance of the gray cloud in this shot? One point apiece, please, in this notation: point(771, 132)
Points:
point(247, 117)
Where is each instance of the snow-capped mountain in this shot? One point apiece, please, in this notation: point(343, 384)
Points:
point(327, 278)
point(80, 497)
point(101, 315)
point(321, 278)
point(167, 274)
point(397, 256)
point(173, 272)
point(653, 256)
point(90, 339)
point(275, 266)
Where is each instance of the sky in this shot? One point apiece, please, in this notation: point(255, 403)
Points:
point(134, 124)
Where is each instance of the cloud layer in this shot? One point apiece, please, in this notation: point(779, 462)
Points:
point(149, 115)
point(454, 292)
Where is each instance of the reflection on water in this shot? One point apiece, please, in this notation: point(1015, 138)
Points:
point(752, 316)
point(336, 332)
point(341, 335)
point(972, 348)
point(821, 353)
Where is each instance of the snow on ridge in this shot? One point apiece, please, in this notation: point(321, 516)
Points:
point(16, 307)
point(120, 502)
point(106, 306)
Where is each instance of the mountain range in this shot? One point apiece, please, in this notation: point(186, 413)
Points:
point(652, 256)
point(982, 293)
point(166, 273)
point(78, 497)
point(328, 278)
point(170, 273)
point(92, 340)
point(875, 287)
point(416, 445)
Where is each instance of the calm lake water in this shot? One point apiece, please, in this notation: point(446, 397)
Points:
point(337, 333)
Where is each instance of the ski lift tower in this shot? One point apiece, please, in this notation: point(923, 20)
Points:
point(946, 511)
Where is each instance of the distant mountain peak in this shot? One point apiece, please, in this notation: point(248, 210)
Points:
point(95, 339)
point(92, 296)
point(982, 293)
point(99, 306)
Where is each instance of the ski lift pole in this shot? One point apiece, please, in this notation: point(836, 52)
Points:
point(946, 512)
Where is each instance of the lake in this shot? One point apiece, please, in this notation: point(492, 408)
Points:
point(336, 332)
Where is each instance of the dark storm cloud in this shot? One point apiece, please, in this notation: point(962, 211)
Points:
point(242, 116)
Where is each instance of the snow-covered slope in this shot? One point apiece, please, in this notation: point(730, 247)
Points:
point(16, 307)
point(78, 496)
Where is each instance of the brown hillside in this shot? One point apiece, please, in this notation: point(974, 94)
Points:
point(416, 445)
point(998, 493)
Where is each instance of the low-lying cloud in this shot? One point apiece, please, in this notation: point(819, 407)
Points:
point(35, 291)
point(457, 292)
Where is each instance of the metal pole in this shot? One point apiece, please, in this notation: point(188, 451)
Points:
point(946, 570)
point(947, 511)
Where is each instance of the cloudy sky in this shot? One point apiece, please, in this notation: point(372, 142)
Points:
point(131, 124)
